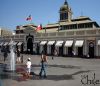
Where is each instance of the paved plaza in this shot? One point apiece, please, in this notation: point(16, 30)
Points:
point(62, 71)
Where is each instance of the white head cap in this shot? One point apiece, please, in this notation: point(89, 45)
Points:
point(29, 59)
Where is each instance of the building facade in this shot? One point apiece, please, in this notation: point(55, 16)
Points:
point(79, 36)
point(5, 32)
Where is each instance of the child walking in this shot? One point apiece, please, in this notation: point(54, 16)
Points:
point(28, 66)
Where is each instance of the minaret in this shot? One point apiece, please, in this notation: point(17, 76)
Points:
point(65, 12)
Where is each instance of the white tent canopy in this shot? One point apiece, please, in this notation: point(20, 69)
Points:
point(6, 43)
point(79, 43)
point(1, 43)
point(59, 43)
point(43, 42)
point(98, 42)
point(51, 42)
point(19, 43)
point(68, 43)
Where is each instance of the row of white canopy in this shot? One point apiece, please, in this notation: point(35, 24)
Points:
point(68, 43)
point(8, 43)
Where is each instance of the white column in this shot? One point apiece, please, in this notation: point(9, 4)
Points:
point(75, 49)
point(25, 46)
point(41, 48)
point(98, 50)
point(57, 48)
point(65, 50)
point(48, 49)
point(85, 48)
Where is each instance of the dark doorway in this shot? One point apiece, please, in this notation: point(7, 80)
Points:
point(70, 49)
point(91, 50)
point(37, 49)
point(8, 48)
point(52, 49)
point(61, 51)
point(30, 40)
point(80, 51)
point(45, 48)
point(17, 47)
point(22, 47)
point(30, 46)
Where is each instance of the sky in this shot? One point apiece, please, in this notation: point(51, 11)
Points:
point(15, 12)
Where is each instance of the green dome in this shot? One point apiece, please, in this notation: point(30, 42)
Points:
point(64, 7)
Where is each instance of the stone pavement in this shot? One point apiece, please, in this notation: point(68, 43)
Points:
point(62, 71)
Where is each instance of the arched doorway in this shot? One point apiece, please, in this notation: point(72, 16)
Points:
point(91, 49)
point(30, 46)
point(30, 40)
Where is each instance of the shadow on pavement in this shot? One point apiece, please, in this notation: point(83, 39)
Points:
point(59, 66)
point(65, 66)
point(54, 77)
point(49, 77)
point(59, 77)
point(80, 72)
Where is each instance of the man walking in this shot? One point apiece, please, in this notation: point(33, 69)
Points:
point(43, 65)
